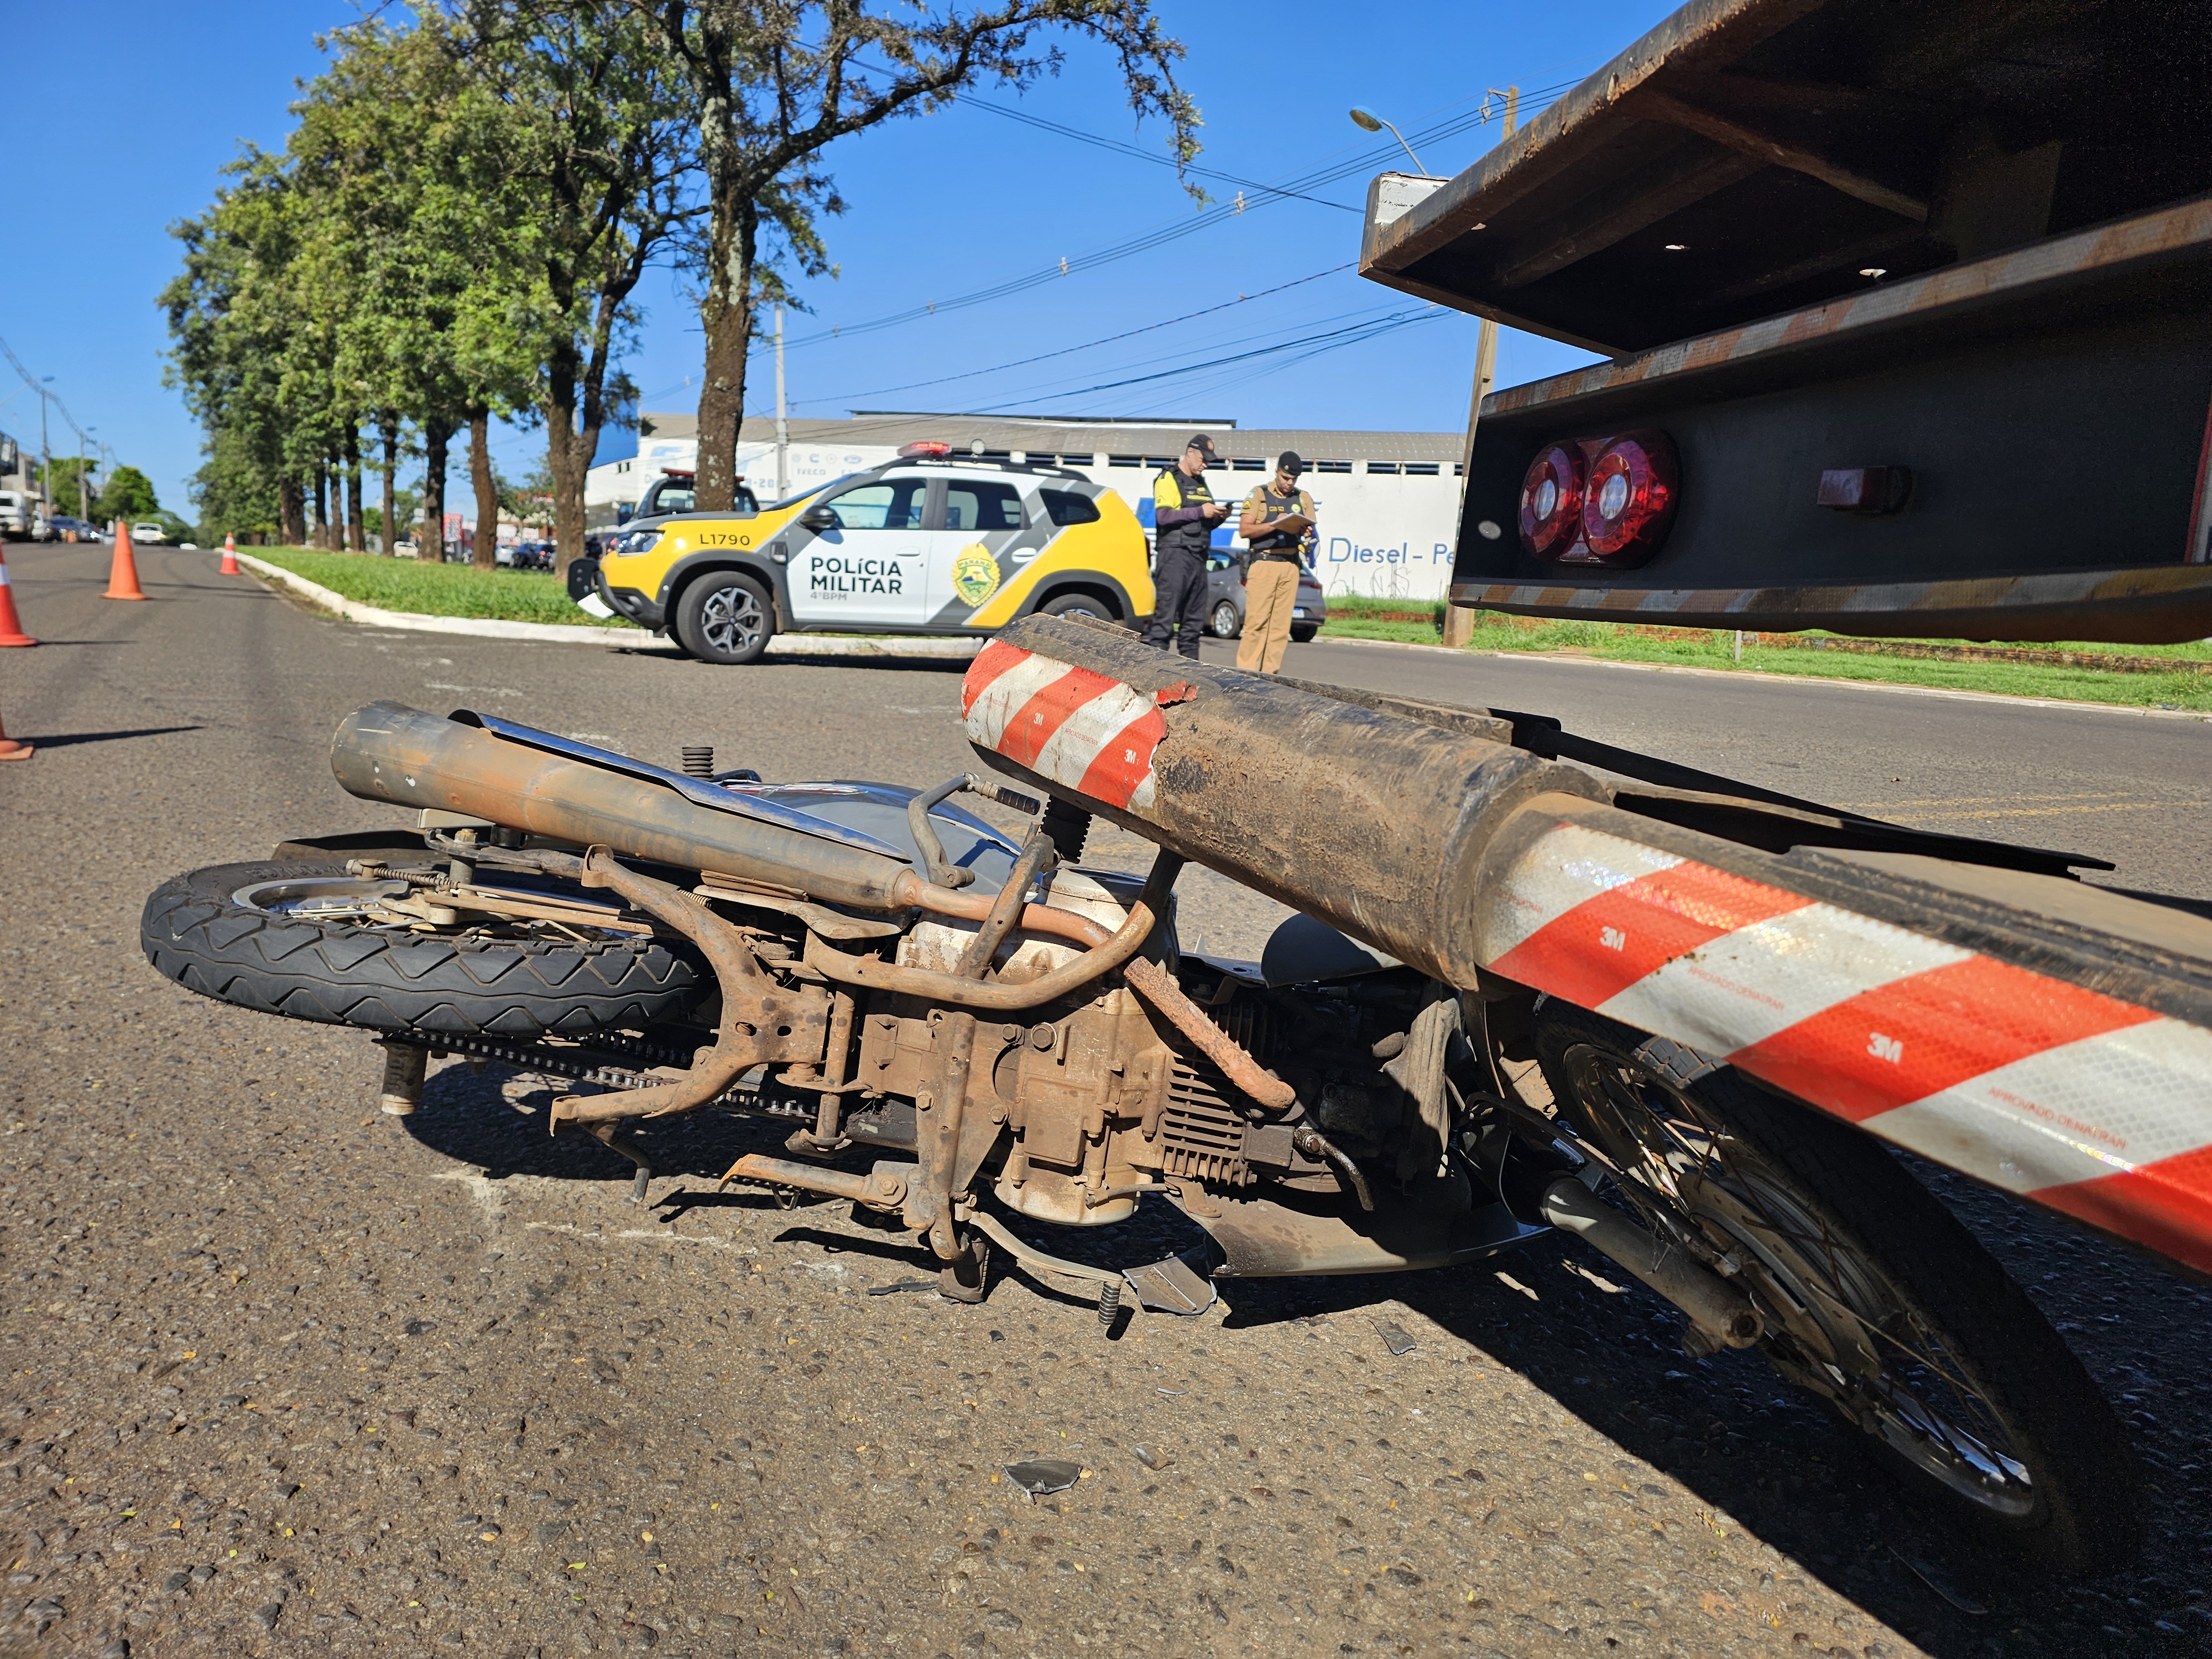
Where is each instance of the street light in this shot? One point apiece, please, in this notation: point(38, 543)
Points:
point(1368, 121)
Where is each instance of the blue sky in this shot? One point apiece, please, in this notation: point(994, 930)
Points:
point(940, 207)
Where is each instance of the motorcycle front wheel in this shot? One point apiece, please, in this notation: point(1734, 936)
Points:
point(308, 940)
point(1875, 1298)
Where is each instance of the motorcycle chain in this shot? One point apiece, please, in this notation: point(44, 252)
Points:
point(590, 1065)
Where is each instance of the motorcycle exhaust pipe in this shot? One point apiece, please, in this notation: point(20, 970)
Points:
point(1721, 1314)
point(387, 751)
point(1370, 812)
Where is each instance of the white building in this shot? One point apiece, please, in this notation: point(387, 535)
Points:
point(1385, 503)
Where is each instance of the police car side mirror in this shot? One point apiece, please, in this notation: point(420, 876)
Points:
point(819, 519)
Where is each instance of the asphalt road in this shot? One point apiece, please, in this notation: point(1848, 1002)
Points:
point(285, 1375)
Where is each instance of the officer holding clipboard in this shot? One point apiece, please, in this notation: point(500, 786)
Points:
point(1278, 521)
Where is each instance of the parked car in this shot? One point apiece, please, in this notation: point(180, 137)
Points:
point(150, 530)
point(1224, 593)
point(70, 529)
point(926, 543)
point(18, 512)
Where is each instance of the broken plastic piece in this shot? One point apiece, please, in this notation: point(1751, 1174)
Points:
point(1395, 1339)
point(896, 1285)
point(1171, 1286)
point(1040, 1476)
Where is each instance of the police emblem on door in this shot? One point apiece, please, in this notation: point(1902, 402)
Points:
point(975, 574)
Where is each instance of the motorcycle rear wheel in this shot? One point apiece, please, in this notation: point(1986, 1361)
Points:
point(250, 934)
point(1876, 1299)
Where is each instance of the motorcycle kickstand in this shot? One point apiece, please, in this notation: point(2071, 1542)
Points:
point(611, 1137)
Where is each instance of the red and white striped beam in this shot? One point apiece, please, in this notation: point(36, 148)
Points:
point(2085, 1103)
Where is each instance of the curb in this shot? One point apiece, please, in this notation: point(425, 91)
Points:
point(2002, 697)
point(493, 627)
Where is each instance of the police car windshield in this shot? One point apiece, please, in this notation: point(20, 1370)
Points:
point(811, 491)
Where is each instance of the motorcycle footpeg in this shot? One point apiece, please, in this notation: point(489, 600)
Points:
point(967, 1277)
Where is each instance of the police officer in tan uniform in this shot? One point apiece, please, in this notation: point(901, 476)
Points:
point(1278, 554)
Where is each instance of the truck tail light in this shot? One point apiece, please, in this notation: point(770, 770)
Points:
point(1601, 500)
point(1552, 501)
point(1630, 498)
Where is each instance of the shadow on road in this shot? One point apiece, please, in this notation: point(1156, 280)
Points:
point(1610, 1353)
point(69, 738)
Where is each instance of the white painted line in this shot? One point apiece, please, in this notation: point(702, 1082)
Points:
point(645, 1234)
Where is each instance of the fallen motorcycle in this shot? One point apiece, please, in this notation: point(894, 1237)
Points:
point(961, 1025)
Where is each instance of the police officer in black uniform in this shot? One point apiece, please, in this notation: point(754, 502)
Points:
point(1184, 514)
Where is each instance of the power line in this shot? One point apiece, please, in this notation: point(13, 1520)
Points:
point(1352, 334)
point(1022, 362)
point(1145, 241)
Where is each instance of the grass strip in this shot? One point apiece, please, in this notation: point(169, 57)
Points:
point(438, 590)
point(2185, 688)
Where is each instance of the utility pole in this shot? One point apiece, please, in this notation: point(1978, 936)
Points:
point(46, 456)
point(782, 430)
point(1459, 622)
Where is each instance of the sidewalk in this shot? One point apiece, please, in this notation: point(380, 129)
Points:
point(489, 628)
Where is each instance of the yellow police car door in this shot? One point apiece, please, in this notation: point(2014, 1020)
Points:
point(970, 549)
point(872, 567)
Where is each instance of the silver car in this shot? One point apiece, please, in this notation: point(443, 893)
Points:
point(1225, 600)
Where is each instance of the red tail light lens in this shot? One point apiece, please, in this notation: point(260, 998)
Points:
point(1630, 498)
point(1552, 501)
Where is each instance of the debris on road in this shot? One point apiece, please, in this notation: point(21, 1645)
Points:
point(1039, 1477)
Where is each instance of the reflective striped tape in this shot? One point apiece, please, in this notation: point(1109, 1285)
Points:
point(1093, 734)
point(2078, 1100)
point(2083, 1102)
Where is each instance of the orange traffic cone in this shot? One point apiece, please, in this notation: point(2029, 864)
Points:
point(229, 556)
point(11, 630)
point(122, 573)
point(10, 749)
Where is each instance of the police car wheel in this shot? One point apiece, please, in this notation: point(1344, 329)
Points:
point(725, 618)
point(1079, 605)
point(1225, 625)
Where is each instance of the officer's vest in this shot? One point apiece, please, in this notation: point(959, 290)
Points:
point(1193, 537)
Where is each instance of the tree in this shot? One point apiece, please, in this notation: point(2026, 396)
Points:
point(129, 494)
point(773, 82)
point(71, 485)
point(602, 146)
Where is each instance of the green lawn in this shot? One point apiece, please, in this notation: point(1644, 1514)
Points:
point(453, 590)
point(1352, 617)
point(436, 590)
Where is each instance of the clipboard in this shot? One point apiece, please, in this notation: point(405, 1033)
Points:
point(1290, 523)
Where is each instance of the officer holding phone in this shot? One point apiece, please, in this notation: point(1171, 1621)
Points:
point(1184, 514)
point(1277, 523)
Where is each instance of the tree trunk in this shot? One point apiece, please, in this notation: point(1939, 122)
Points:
point(320, 536)
point(727, 312)
point(388, 430)
point(487, 547)
point(291, 513)
point(437, 432)
point(568, 457)
point(356, 539)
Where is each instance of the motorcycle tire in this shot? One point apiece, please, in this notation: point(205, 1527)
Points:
point(1972, 1398)
point(196, 931)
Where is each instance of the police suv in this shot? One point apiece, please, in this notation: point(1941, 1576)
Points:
point(926, 543)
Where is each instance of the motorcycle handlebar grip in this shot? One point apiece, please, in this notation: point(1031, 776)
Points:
point(1012, 800)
